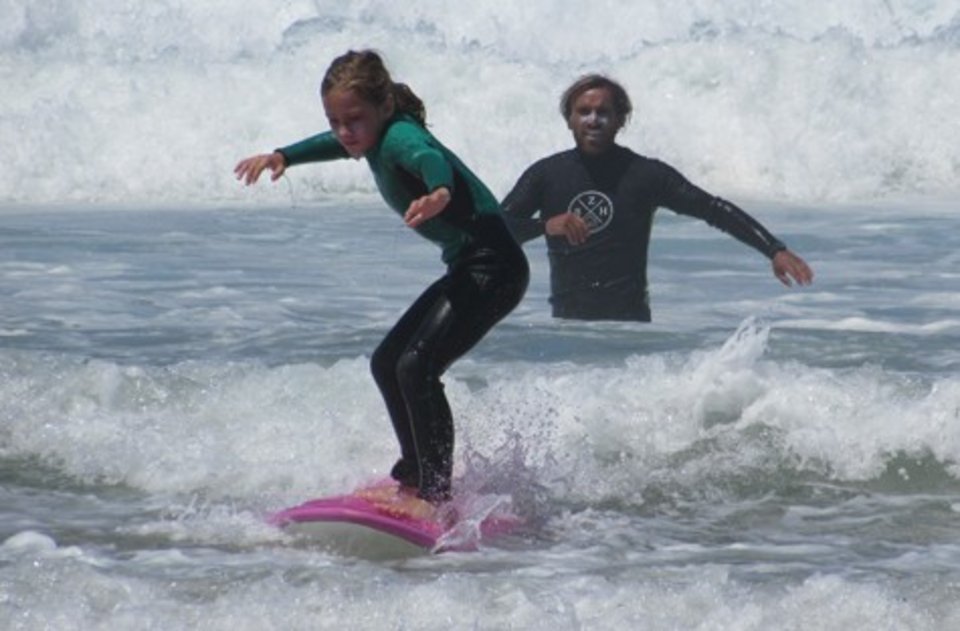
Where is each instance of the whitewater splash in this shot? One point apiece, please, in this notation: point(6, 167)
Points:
point(685, 422)
point(154, 103)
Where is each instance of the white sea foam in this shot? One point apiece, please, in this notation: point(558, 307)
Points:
point(155, 103)
point(316, 593)
point(165, 381)
point(253, 431)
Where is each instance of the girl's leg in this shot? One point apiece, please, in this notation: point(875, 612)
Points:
point(446, 321)
point(383, 365)
point(478, 294)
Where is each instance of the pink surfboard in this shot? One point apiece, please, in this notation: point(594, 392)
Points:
point(408, 527)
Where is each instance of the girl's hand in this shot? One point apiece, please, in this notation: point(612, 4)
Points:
point(426, 207)
point(249, 169)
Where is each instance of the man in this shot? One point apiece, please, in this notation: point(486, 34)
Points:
point(595, 205)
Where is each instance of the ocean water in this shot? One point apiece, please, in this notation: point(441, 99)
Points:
point(180, 355)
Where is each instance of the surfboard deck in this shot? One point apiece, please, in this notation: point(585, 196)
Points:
point(383, 521)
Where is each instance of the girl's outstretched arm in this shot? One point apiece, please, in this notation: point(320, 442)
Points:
point(249, 169)
point(426, 207)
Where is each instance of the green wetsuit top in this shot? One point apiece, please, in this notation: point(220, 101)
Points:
point(407, 163)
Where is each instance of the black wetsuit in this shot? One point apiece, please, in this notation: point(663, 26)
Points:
point(480, 287)
point(616, 193)
point(486, 278)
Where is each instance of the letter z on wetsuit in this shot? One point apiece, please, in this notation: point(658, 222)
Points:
point(616, 194)
point(486, 277)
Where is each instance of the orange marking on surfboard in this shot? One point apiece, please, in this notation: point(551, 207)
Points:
point(398, 502)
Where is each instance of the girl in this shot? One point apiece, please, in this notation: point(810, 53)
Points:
point(385, 122)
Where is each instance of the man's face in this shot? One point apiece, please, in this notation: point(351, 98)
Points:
point(594, 121)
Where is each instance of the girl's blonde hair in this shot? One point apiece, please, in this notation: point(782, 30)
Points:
point(364, 72)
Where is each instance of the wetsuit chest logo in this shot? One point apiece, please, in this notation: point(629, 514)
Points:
point(594, 208)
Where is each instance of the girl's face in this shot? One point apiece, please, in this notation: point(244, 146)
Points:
point(356, 123)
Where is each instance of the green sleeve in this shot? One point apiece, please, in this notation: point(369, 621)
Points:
point(433, 167)
point(319, 148)
point(413, 149)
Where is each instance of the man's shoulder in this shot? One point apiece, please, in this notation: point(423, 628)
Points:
point(569, 160)
point(556, 159)
point(629, 155)
point(641, 164)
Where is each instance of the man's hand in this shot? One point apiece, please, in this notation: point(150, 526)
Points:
point(787, 266)
point(570, 226)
